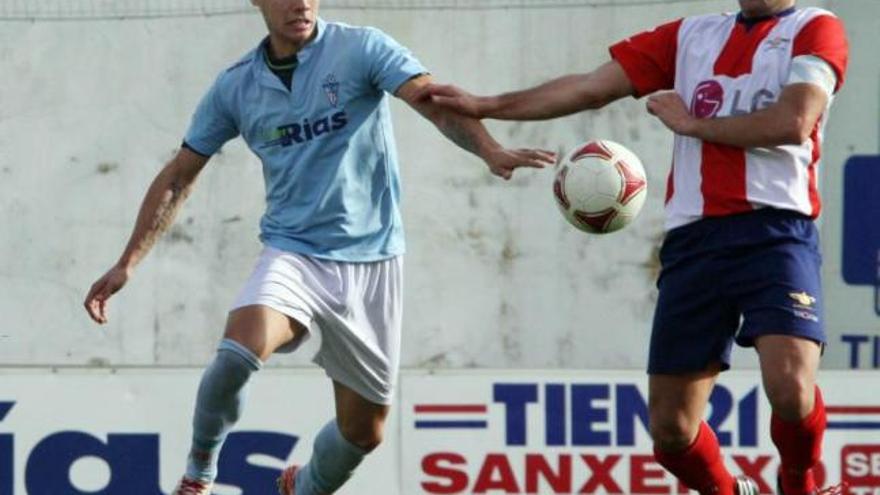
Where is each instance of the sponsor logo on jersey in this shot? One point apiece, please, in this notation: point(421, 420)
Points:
point(776, 43)
point(305, 131)
point(707, 100)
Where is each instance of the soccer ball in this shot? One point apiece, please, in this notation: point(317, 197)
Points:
point(600, 187)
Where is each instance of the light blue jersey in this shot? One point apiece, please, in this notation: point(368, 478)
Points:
point(327, 146)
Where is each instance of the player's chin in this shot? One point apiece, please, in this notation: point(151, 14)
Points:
point(297, 34)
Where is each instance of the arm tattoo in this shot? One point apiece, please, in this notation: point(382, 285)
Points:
point(170, 202)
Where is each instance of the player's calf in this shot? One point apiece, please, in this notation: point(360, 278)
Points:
point(333, 462)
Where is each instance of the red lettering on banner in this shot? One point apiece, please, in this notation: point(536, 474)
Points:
point(755, 470)
point(450, 473)
point(486, 480)
point(644, 468)
point(457, 481)
point(860, 468)
point(559, 481)
point(601, 474)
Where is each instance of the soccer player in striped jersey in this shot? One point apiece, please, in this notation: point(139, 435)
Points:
point(311, 101)
point(747, 96)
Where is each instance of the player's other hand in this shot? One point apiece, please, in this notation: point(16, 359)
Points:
point(671, 110)
point(455, 99)
point(502, 162)
point(102, 290)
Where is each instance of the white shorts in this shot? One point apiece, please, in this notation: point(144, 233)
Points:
point(356, 307)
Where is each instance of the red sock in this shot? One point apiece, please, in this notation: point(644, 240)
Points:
point(800, 448)
point(700, 466)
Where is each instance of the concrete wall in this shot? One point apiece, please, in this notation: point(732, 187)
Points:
point(90, 110)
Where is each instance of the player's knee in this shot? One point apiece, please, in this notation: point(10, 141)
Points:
point(670, 434)
point(791, 398)
point(367, 436)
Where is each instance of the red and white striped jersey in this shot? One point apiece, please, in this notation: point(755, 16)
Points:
point(722, 65)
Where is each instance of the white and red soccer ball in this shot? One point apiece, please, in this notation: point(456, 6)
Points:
point(600, 187)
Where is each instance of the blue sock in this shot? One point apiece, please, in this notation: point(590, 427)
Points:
point(332, 464)
point(219, 403)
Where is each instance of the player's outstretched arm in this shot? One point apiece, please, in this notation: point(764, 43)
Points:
point(470, 134)
point(162, 201)
point(562, 96)
point(790, 120)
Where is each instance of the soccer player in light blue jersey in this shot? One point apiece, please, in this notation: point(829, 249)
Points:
point(311, 101)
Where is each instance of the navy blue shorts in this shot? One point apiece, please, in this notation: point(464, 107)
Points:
point(735, 278)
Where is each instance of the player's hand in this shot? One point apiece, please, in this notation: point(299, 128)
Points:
point(106, 286)
point(502, 162)
point(455, 99)
point(671, 110)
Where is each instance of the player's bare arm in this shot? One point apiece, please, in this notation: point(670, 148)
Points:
point(468, 133)
point(562, 96)
point(160, 205)
point(788, 121)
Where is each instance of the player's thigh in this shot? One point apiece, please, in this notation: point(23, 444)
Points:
point(676, 404)
point(262, 329)
point(361, 421)
point(778, 287)
point(788, 370)
point(693, 323)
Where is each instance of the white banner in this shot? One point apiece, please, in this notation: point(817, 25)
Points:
point(585, 432)
point(468, 432)
point(127, 432)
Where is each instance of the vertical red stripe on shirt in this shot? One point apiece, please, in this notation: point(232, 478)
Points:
point(670, 183)
point(815, 201)
point(739, 52)
point(723, 172)
point(723, 168)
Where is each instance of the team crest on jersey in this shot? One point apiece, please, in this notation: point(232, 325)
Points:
point(777, 43)
point(331, 89)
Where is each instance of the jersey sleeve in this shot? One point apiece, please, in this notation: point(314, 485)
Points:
point(390, 64)
point(212, 124)
point(825, 37)
point(648, 58)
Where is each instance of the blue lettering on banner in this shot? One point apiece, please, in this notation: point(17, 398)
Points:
point(233, 465)
point(630, 407)
point(855, 342)
point(748, 419)
point(7, 459)
point(554, 414)
point(515, 397)
point(604, 415)
point(722, 403)
point(583, 431)
point(133, 462)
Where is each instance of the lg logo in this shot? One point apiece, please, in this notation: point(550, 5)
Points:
point(708, 100)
